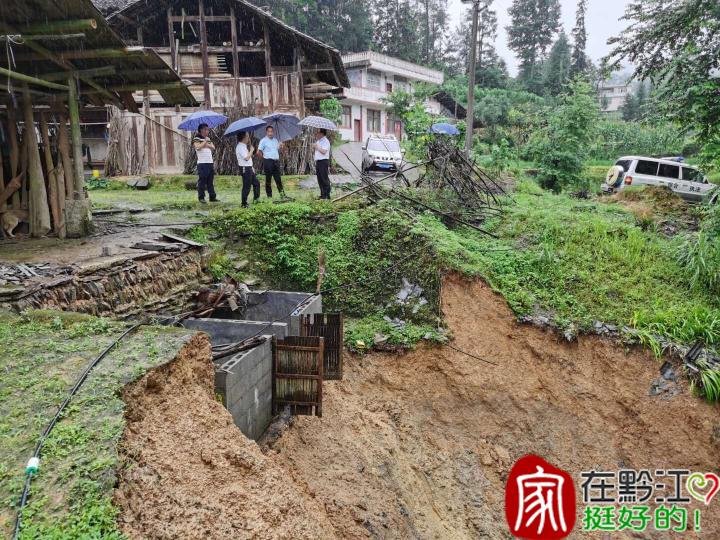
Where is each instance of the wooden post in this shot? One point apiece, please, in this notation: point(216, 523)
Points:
point(51, 175)
point(148, 131)
point(74, 110)
point(39, 212)
point(60, 181)
point(171, 37)
point(14, 153)
point(204, 51)
point(235, 59)
point(298, 60)
point(268, 64)
point(23, 167)
point(64, 150)
point(3, 206)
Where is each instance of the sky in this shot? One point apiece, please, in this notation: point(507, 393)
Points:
point(601, 22)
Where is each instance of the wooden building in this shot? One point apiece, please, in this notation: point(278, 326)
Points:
point(61, 57)
point(236, 56)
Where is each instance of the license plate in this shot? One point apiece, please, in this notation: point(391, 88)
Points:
point(384, 165)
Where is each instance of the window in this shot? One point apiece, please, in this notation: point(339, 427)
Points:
point(624, 163)
point(383, 145)
point(646, 167)
point(346, 116)
point(692, 175)
point(355, 76)
point(669, 171)
point(373, 121)
point(373, 79)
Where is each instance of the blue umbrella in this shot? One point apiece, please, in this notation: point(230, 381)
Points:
point(211, 118)
point(244, 124)
point(285, 126)
point(443, 128)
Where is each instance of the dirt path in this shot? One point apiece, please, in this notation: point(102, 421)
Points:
point(419, 446)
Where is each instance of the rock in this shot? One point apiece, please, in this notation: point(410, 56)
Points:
point(139, 183)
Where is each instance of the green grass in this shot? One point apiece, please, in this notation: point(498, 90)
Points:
point(169, 193)
point(43, 353)
point(581, 260)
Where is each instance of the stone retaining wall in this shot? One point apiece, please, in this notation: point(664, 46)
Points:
point(119, 287)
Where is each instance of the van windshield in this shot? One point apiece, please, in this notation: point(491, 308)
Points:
point(379, 145)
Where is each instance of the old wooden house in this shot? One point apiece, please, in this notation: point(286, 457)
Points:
point(233, 55)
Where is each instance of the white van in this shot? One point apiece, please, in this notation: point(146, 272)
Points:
point(687, 181)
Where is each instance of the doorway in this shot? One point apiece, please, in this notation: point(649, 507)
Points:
point(358, 129)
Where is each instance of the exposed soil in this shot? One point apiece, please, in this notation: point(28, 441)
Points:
point(657, 205)
point(412, 446)
point(190, 473)
point(419, 446)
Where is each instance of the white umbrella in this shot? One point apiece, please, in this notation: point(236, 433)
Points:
point(318, 122)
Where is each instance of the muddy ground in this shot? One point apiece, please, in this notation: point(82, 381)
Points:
point(411, 446)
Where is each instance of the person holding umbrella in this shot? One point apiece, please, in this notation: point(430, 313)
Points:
point(322, 150)
point(322, 162)
point(244, 154)
point(269, 148)
point(202, 121)
point(206, 171)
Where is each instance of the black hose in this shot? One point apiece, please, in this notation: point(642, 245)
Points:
point(78, 383)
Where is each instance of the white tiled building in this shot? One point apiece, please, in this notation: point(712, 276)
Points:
point(612, 96)
point(372, 77)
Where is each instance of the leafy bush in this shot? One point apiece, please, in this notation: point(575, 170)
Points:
point(367, 253)
point(700, 253)
point(560, 148)
point(331, 108)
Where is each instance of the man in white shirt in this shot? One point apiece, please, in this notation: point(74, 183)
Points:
point(322, 162)
point(244, 154)
point(206, 170)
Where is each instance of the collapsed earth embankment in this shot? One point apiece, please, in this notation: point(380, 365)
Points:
point(411, 446)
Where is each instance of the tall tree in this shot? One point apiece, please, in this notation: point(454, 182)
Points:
point(396, 29)
point(345, 24)
point(490, 69)
point(677, 41)
point(534, 24)
point(557, 67)
point(435, 21)
point(580, 62)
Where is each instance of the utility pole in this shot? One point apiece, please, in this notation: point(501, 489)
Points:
point(471, 74)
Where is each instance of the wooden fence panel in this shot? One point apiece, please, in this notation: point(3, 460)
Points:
point(330, 327)
point(298, 374)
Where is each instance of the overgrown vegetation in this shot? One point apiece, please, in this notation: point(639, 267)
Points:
point(43, 353)
point(581, 261)
point(368, 250)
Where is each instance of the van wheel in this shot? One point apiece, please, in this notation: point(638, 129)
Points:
point(614, 175)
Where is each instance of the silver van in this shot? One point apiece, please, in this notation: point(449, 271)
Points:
point(687, 181)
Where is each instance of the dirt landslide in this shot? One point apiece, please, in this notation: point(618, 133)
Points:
point(419, 446)
point(190, 473)
point(412, 446)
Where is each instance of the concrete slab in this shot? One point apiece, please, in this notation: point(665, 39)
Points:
point(224, 331)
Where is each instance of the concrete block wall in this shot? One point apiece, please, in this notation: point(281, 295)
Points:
point(276, 305)
point(245, 384)
point(224, 331)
